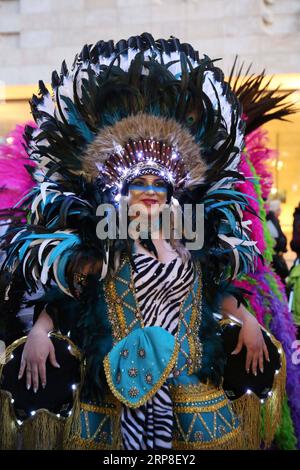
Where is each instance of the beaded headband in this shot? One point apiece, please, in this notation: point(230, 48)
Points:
point(143, 157)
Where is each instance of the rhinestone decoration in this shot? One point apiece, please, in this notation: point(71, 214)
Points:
point(221, 429)
point(132, 372)
point(104, 437)
point(198, 436)
point(140, 157)
point(125, 353)
point(142, 353)
point(149, 378)
point(133, 392)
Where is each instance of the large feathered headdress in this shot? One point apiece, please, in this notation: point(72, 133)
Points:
point(124, 107)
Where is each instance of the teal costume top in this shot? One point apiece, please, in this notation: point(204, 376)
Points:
point(110, 330)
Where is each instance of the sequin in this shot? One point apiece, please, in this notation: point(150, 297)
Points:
point(198, 436)
point(132, 372)
point(125, 353)
point(149, 378)
point(142, 353)
point(133, 392)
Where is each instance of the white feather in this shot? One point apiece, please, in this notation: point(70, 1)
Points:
point(45, 269)
point(46, 106)
point(18, 235)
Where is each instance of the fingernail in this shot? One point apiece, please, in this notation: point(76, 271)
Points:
point(19, 377)
point(268, 359)
point(43, 385)
point(57, 365)
point(28, 386)
point(255, 373)
point(262, 371)
point(35, 390)
point(247, 371)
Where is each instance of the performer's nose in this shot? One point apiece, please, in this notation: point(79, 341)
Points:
point(150, 189)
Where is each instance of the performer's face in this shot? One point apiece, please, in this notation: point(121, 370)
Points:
point(147, 190)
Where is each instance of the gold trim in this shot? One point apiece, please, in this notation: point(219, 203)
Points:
point(132, 290)
point(205, 425)
point(232, 440)
point(151, 392)
point(118, 308)
point(75, 351)
point(193, 393)
point(9, 350)
point(118, 319)
point(195, 321)
point(200, 409)
point(110, 411)
point(248, 407)
point(77, 443)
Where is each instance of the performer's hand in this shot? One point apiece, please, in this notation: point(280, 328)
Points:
point(35, 353)
point(251, 337)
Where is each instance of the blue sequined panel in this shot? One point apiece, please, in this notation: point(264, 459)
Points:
point(99, 426)
point(203, 418)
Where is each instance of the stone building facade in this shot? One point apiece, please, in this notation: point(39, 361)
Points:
point(36, 35)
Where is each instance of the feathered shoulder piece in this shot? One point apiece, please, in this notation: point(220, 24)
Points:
point(137, 104)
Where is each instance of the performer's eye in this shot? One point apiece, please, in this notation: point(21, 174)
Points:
point(139, 182)
point(160, 184)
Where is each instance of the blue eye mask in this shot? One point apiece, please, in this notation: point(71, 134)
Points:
point(140, 187)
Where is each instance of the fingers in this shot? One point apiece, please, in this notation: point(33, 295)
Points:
point(42, 373)
point(22, 368)
point(33, 371)
point(254, 363)
point(249, 358)
point(28, 376)
point(261, 360)
point(35, 377)
point(52, 357)
point(254, 360)
point(266, 352)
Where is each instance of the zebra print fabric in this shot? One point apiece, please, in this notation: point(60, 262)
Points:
point(160, 289)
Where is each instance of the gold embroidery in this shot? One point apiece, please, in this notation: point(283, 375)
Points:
point(190, 430)
point(78, 442)
point(121, 328)
point(195, 346)
point(232, 440)
point(151, 392)
point(119, 323)
point(186, 399)
point(192, 393)
point(107, 410)
point(200, 409)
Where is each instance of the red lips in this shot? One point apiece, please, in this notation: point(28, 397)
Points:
point(149, 201)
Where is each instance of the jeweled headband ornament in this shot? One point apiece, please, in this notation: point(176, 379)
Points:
point(143, 157)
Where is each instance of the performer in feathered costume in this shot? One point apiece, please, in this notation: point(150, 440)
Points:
point(145, 122)
point(268, 301)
